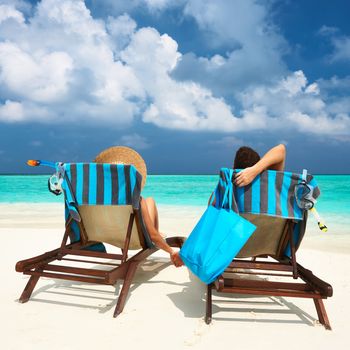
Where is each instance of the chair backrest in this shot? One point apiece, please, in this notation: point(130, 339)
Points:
point(269, 203)
point(102, 197)
point(268, 238)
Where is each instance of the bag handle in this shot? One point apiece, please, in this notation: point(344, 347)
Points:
point(215, 196)
point(228, 190)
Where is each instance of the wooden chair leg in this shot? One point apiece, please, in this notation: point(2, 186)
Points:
point(125, 289)
point(208, 314)
point(322, 314)
point(27, 292)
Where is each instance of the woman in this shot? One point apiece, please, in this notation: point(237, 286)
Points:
point(126, 155)
point(150, 218)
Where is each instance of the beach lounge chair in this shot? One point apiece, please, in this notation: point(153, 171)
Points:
point(102, 203)
point(267, 265)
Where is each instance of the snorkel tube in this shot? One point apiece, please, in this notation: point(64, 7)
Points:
point(32, 162)
point(322, 226)
point(304, 197)
point(55, 180)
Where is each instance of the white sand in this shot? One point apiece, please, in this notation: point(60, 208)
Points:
point(166, 305)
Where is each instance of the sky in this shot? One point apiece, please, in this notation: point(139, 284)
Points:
point(183, 82)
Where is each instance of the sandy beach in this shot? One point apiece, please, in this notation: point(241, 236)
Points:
point(166, 305)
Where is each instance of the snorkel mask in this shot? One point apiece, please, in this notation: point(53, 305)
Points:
point(304, 193)
point(55, 184)
point(55, 180)
point(304, 196)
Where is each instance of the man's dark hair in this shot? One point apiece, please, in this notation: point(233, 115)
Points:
point(245, 157)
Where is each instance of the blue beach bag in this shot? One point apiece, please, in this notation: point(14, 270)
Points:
point(216, 239)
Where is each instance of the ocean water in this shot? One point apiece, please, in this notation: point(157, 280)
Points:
point(184, 191)
point(165, 189)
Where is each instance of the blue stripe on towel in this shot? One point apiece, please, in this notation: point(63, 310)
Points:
point(121, 183)
point(240, 199)
point(107, 195)
point(132, 180)
point(256, 195)
point(271, 204)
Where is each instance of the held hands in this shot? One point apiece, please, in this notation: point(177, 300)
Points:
point(246, 176)
point(175, 259)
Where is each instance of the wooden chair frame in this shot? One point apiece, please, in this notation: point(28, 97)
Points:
point(311, 287)
point(122, 267)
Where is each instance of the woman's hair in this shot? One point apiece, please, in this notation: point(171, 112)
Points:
point(245, 157)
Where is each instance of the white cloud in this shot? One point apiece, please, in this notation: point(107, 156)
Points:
point(14, 111)
point(340, 43)
point(23, 6)
point(176, 105)
point(341, 49)
point(62, 65)
point(11, 111)
point(120, 30)
point(63, 60)
point(292, 104)
point(327, 30)
point(254, 47)
point(40, 77)
point(135, 141)
point(9, 12)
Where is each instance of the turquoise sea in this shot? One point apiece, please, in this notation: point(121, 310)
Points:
point(184, 190)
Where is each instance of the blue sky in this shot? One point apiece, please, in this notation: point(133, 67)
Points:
point(183, 82)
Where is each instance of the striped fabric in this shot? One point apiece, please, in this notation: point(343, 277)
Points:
point(98, 184)
point(102, 184)
point(271, 193)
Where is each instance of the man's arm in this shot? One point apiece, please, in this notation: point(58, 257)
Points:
point(274, 159)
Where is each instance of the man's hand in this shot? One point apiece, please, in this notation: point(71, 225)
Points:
point(175, 259)
point(246, 176)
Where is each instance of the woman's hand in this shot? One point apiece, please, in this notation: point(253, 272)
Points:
point(246, 176)
point(175, 259)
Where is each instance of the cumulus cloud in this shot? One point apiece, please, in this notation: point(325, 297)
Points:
point(40, 77)
point(11, 111)
point(62, 65)
point(292, 103)
point(63, 60)
point(178, 105)
point(22, 5)
point(9, 12)
point(243, 28)
point(120, 30)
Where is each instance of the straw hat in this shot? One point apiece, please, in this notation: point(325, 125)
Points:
point(123, 155)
